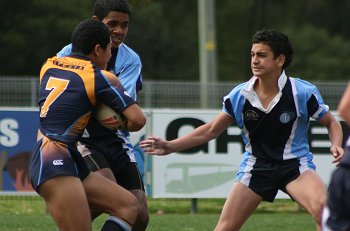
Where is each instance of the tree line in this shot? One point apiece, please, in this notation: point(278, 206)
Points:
point(165, 34)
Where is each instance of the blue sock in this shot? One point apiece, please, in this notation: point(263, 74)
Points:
point(115, 224)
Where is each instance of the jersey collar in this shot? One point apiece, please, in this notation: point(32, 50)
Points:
point(249, 93)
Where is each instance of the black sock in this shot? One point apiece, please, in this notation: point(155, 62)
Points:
point(111, 226)
point(115, 224)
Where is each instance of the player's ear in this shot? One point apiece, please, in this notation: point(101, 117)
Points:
point(94, 17)
point(97, 50)
point(281, 59)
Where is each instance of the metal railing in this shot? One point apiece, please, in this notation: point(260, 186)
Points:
point(22, 92)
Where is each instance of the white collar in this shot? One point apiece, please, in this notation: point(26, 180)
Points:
point(249, 93)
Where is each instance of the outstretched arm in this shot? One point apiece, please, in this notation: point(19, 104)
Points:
point(157, 146)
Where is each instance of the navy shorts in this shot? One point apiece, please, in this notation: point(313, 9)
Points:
point(339, 200)
point(52, 158)
point(266, 177)
point(110, 152)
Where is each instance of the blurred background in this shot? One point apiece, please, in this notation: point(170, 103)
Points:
point(166, 35)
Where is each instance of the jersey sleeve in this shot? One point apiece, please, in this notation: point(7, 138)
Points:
point(233, 105)
point(312, 98)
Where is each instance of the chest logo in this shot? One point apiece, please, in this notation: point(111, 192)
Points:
point(251, 115)
point(286, 117)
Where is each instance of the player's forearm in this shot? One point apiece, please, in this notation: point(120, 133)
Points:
point(197, 137)
point(335, 133)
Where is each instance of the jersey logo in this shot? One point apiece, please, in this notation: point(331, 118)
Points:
point(251, 115)
point(57, 162)
point(126, 93)
point(286, 117)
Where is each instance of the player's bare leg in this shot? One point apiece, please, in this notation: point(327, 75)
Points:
point(63, 202)
point(239, 205)
point(107, 173)
point(107, 196)
point(310, 192)
point(143, 217)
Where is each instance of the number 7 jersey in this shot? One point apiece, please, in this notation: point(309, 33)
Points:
point(69, 89)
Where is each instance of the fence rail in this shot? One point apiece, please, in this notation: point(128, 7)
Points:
point(22, 92)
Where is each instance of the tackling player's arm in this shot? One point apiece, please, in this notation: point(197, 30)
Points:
point(201, 135)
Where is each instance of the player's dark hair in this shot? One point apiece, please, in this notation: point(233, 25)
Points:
point(278, 42)
point(103, 7)
point(87, 34)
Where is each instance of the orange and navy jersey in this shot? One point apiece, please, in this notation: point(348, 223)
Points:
point(69, 90)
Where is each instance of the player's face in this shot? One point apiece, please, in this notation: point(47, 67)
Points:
point(118, 24)
point(263, 62)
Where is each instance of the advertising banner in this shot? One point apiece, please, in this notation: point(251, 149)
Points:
point(18, 130)
point(208, 171)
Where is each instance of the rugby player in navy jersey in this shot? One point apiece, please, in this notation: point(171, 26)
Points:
point(337, 212)
point(112, 154)
point(70, 88)
point(273, 111)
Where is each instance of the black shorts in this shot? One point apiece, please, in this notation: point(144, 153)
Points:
point(266, 177)
point(111, 152)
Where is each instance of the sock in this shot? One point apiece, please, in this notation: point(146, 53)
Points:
point(115, 224)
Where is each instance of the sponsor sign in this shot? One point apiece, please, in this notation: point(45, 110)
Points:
point(208, 171)
point(18, 129)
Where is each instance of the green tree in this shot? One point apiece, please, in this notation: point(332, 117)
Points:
point(33, 30)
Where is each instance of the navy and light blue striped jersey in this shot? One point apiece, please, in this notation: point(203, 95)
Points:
point(278, 132)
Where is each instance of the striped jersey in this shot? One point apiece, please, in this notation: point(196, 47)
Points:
point(278, 132)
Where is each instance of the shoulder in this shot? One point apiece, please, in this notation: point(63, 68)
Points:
point(237, 90)
point(128, 54)
point(110, 77)
point(65, 51)
point(302, 84)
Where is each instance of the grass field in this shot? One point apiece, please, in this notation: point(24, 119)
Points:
point(28, 214)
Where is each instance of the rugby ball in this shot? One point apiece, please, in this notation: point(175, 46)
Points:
point(108, 118)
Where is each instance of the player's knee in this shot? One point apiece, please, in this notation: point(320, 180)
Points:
point(129, 210)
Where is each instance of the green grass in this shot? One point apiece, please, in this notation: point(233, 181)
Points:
point(28, 214)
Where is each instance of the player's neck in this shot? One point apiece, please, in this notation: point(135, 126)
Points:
point(266, 89)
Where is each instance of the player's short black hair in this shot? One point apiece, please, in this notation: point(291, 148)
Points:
point(278, 42)
point(103, 7)
point(87, 34)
